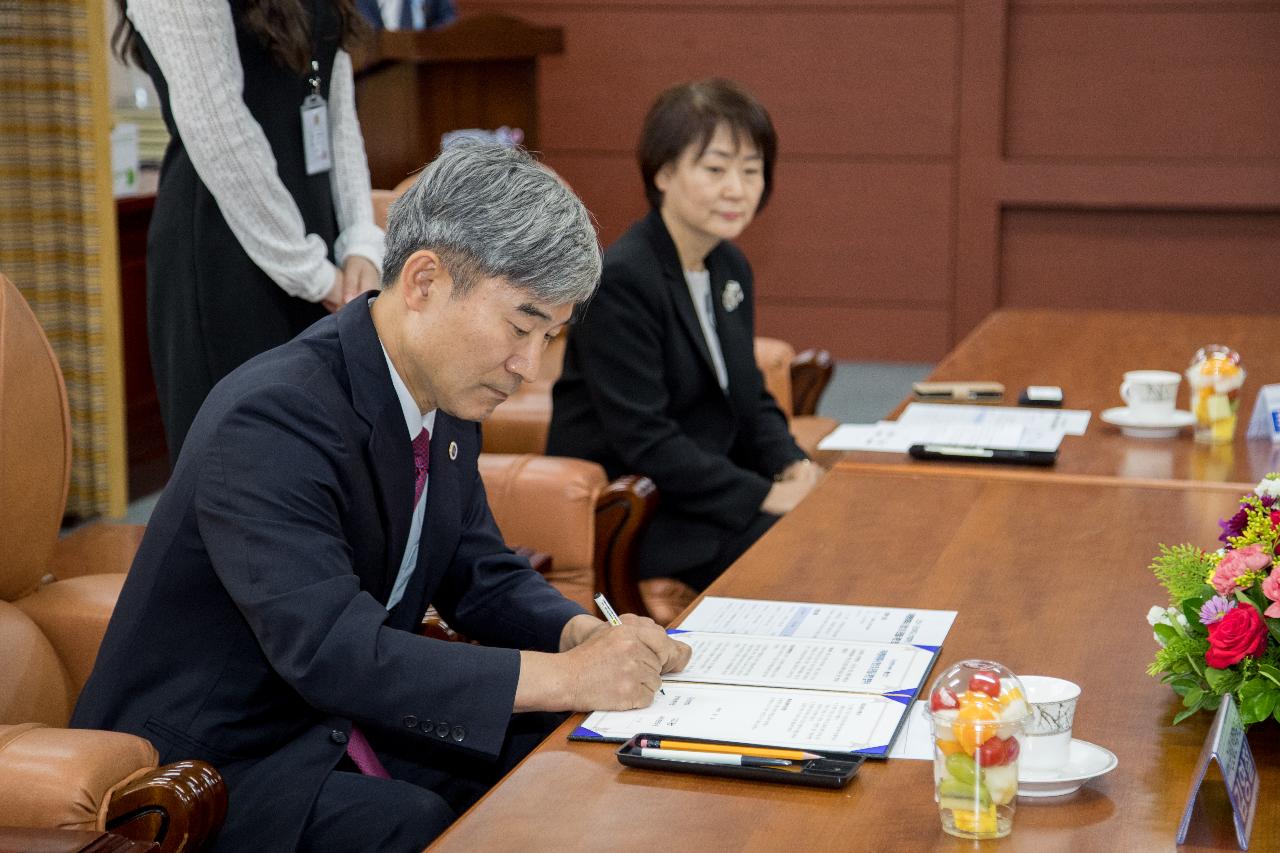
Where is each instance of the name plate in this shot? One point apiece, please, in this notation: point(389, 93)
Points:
point(1227, 745)
point(1265, 422)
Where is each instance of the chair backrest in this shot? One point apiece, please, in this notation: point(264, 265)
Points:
point(34, 685)
point(774, 358)
point(549, 504)
point(35, 446)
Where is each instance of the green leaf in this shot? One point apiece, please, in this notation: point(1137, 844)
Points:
point(1192, 697)
point(1270, 672)
point(1165, 633)
point(1182, 715)
point(1258, 699)
point(1211, 703)
point(1222, 680)
point(1191, 610)
point(1252, 688)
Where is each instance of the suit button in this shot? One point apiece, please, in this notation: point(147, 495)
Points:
point(427, 726)
point(338, 736)
point(410, 721)
point(459, 733)
point(442, 729)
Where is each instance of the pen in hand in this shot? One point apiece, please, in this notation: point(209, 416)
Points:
point(611, 616)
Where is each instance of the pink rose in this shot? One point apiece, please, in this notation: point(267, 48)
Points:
point(1251, 558)
point(1271, 589)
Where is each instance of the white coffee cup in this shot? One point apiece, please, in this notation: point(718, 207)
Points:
point(1046, 743)
point(1150, 392)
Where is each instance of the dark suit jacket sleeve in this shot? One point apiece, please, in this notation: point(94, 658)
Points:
point(620, 342)
point(270, 502)
point(766, 433)
point(492, 595)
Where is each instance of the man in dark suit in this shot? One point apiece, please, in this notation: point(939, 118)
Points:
point(660, 377)
point(328, 491)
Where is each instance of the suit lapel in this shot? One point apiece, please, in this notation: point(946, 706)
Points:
point(732, 330)
point(673, 274)
point(390, 452)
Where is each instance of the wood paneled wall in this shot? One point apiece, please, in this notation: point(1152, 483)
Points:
point(940, 159)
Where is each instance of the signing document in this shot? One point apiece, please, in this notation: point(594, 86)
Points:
point(831, 678)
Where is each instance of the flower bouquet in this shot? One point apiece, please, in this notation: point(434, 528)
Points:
point(1221, 632)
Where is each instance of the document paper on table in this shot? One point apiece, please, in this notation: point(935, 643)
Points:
point(993, 427)
point(834, 678)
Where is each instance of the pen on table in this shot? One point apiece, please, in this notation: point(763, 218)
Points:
point(755, 751)
point(611, 616)
point(714, 758)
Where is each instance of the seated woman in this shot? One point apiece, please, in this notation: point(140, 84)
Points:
point(659, 376)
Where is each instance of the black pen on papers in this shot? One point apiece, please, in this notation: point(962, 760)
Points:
point(611, 616)
point(714, 758)
point(958, 453)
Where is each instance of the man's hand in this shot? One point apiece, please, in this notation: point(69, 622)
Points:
point(603, 668)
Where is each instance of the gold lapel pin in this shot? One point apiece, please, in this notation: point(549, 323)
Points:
point(453, 450)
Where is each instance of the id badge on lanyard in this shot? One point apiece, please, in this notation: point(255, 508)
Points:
point(315, 127)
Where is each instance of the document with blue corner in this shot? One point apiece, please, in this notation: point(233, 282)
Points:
point(830, 678)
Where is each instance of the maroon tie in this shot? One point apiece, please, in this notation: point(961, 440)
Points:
point(421, 462)
point(358, 747)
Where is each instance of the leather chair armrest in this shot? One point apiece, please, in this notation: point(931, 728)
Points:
point(622, 509)
point(64, 778)
point(89, 780)
point(181, 806)
point(95, 549)
point(810, 372)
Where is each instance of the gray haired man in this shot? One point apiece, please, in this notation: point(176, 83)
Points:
point(326, 494)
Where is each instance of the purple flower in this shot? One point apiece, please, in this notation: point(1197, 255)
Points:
point(1234, 525)
point(1214, 609)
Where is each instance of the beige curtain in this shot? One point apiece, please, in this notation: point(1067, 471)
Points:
point(57, 222)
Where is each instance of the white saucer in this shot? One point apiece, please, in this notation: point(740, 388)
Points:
point(1164, 425)
point(1085, 761)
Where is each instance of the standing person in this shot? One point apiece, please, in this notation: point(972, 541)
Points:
point(327, 493)
point(263, 220)
point(407, 14)
point(660, 377)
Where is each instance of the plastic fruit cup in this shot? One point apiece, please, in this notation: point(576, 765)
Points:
point(978, 710)
point(1215, 376)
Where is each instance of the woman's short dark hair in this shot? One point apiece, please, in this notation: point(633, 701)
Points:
point(690, 113)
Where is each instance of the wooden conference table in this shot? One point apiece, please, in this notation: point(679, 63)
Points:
point(1087, 354)
point(1049, 576)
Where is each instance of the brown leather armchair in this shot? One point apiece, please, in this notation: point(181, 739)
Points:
point(568, 511)
point(52, 778)
point(578, 528)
